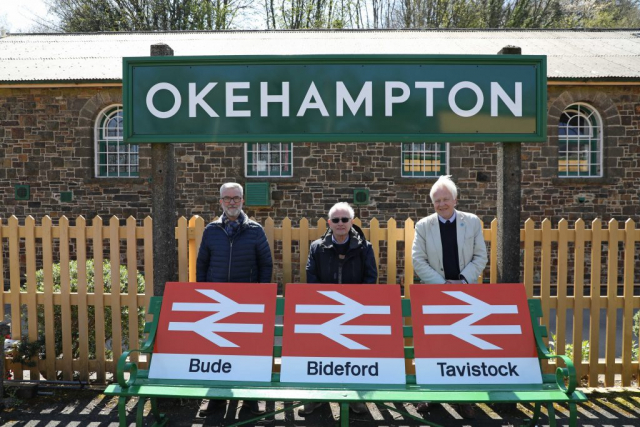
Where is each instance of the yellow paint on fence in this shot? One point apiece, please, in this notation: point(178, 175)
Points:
point(548, 262)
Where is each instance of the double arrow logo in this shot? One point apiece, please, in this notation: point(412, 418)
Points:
point(208, 326)
point(465, 328)
point(335, 329)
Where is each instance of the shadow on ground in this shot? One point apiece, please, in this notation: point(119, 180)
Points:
point(605, 408)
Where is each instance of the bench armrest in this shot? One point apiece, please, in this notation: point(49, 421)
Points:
point(147, 347)
point(567, 373)
point(539, 331)
point(124, 366)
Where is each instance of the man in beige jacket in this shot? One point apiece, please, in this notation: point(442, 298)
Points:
point(448, 248)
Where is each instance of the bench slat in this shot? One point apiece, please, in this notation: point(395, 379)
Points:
point(298, 392)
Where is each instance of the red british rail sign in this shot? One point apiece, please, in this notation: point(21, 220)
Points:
point(343, 334)
point(215, 331)
point(473, 334)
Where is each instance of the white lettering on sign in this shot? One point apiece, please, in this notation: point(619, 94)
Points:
point(390, 98)
point(177, 100)
point(343, 95)
point(196, 99)
point(479, 99)
point(313, 100)
point(208, 326)
point(232, 99)
point(464, 328)
point(514, 105)
point(395, 92)
point(335, 329)
point(266, 99)
point(429, 87)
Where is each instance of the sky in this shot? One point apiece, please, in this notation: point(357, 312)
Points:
point(18, 15)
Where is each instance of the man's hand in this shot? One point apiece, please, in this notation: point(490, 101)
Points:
point(454, 282)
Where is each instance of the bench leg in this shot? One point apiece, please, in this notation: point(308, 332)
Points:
point(140, 411)
point(160, 419)
point(552, 415)
point(408, 415)
point(573, 414)
point(122, 411)
point(267, 414)
point(344, 414)
point(535, 416)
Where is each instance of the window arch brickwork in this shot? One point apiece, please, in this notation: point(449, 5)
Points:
point(612, 128)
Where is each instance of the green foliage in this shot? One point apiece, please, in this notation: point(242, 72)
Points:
point(569, 349)
point(58, 321)
point(27, 352)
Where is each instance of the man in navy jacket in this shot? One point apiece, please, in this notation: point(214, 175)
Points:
point(234, 249)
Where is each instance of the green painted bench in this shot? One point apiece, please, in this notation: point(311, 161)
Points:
point(559, 387)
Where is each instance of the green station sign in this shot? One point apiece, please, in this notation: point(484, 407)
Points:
point(348, 98)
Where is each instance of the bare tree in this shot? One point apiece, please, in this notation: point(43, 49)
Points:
point(147, 15)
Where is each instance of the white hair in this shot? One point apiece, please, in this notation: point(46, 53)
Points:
point(447, 183)
point(227, 185)
point(344, 207)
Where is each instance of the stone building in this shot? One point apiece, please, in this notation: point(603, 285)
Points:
point(61, 150)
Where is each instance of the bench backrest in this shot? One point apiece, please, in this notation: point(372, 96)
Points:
point(535, 311)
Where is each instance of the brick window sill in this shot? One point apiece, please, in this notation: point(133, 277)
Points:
point(116, 181)
point(584, 181)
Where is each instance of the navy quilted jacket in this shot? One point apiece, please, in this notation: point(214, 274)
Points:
point(244, 258)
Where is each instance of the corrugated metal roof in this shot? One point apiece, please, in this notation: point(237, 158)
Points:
point(572, 54)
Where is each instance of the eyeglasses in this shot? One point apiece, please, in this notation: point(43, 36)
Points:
point(337, 220)
point(440, 201)
point(230, 199)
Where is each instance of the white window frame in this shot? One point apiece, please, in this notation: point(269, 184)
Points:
point(585, 111)
point(101, 137)
point(436, 175)
point(269, 174)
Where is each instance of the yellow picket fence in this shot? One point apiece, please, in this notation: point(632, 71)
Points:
point(550, 258)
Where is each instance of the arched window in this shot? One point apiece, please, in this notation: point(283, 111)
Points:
point(580, 142)
point(424, 159)
point(114, 159)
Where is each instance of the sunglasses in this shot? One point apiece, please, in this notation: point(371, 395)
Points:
point(337, 220)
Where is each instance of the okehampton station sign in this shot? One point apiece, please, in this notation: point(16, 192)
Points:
point(349, 98)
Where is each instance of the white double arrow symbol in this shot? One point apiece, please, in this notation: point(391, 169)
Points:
point(208, 326)
point(335, 329)
point(477, 310)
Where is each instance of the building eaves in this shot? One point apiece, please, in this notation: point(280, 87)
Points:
point(571, 54)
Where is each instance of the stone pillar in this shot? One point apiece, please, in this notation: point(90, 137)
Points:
point(163, 209)
point(509, 203)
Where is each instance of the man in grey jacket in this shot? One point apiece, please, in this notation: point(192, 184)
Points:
point(448, 248)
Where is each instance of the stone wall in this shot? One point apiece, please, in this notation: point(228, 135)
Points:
point(47, 142)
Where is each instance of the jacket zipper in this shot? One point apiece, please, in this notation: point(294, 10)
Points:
point(230, 258)
point(230, 250)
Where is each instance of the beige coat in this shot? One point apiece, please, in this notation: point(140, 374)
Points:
point(427, 248)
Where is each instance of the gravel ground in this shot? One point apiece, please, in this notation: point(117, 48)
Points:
point(89, 407)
